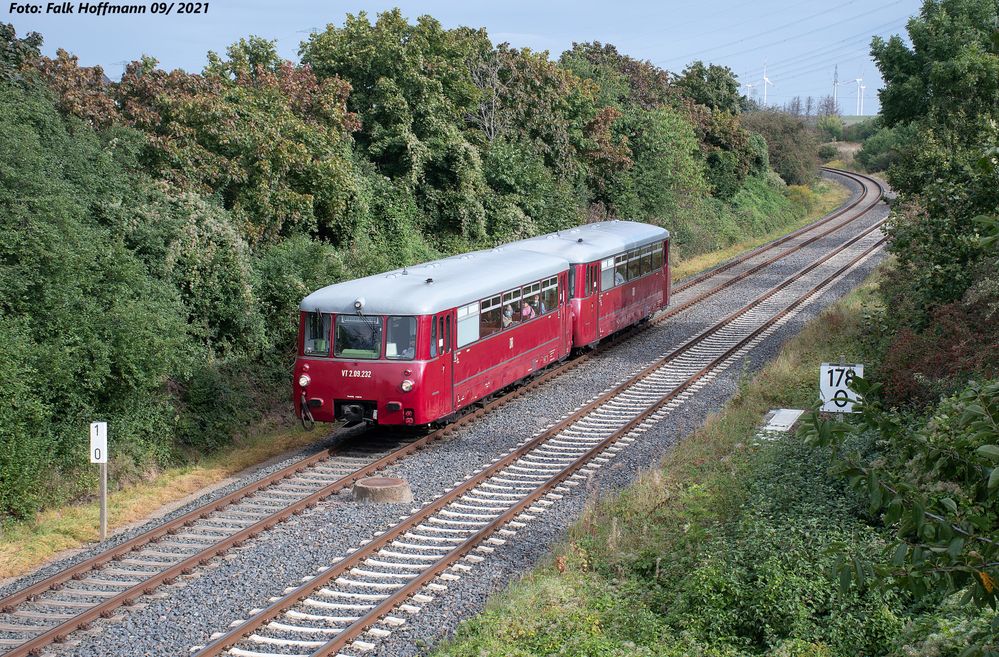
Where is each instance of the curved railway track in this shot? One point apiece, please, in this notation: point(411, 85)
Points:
point(372, 590)
point(49, 610)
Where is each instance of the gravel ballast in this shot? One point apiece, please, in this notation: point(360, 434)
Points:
point(187, 613)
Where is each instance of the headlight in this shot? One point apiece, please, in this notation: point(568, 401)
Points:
point(304, 381)
point(407, 385)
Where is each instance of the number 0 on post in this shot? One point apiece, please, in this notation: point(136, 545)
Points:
point(98, 442)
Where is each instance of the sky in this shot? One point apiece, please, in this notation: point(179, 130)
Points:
point(800, 42)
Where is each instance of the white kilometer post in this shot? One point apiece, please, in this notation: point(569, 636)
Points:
point(99, 454)
point(834, 386)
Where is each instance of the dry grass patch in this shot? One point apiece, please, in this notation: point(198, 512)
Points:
point(25, 546)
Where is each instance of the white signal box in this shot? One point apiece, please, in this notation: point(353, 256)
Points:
point(834, 386)
point(98, 442)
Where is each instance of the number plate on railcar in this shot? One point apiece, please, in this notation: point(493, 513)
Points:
point(356, 374)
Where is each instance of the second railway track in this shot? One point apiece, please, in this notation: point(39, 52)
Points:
point(367, 594)
point(51, 609)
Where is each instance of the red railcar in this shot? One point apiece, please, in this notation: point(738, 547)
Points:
point(619, 274)
point(417, 345)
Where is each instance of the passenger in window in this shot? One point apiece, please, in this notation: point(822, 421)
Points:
point(507, 316)
point(539, 304)
point(618, 278)
point(526, 312)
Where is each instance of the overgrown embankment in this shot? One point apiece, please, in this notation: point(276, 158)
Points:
point(730, 548)
point(159, 231)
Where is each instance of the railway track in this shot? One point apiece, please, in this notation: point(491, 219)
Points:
point(366, 594)
point(49, 610)
point(867, 185)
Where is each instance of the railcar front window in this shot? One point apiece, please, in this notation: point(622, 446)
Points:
point(317, 335)
point(400, 338)
point(358, 336)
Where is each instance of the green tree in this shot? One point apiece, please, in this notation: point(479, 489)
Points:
point(81, 312)
point(270, 139)
point(622, 81)
point(713, 86)
point(412, 88)
point(16, 53)
point(941, 94)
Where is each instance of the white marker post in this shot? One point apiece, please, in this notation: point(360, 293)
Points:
point(834, 386)
point(99, 454)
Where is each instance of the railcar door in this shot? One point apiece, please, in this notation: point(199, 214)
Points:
point(668, 273)
point(442, 393)
point(590, 304)
point(565, 293)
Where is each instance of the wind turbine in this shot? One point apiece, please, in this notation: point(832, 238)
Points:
point(766, 81)
point(862, 87)
point(860, 95)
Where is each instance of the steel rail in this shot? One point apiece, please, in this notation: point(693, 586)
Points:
point(705, 275)
point(676, 310)
point(103, 609)
point(230, 638)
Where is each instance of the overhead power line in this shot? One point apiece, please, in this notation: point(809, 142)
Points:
point(789, 67)
point(756, 36)
point(785, 40)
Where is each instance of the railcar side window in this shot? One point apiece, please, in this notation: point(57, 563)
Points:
point(620, 269)
point(433, 336)
point(447, 334)
point(531, 307)
point(358, 336)
point(549, 295)
point(317, 334)
point(468, 324)
point(511, 308)
point(634, 264)
point(490, 317)
point(400, 338)
point(657, 255)
point(607, 274)
point(647, 259)
point(572, 282)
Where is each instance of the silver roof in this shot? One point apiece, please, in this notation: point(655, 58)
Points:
point(456, 281)
point(593, 242)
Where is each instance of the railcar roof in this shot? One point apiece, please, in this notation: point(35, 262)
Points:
point(593, 242)
point(456, 281)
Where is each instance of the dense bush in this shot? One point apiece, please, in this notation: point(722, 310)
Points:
point(862, 130)
point(884, 148)
point(793, 150)
point(86, 325)
point(735, 590)
point(830, 127)
point(828, 152)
